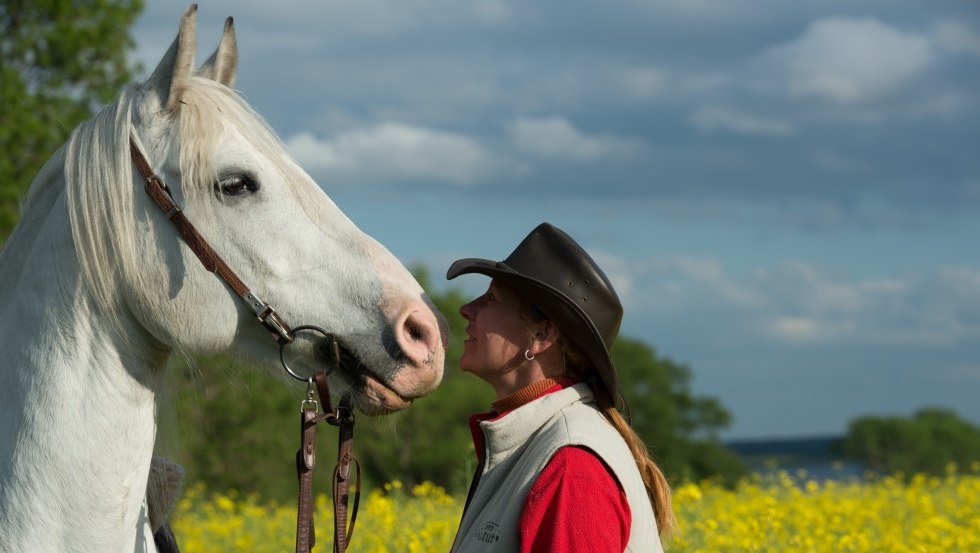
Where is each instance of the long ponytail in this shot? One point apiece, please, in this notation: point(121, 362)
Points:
point(658, 489)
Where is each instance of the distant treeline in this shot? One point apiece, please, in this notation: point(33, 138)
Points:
point(930, 442)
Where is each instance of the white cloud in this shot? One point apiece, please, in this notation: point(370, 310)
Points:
point(961, 284)
point(702, 269)
point(706, 83)
point(965, 374)
point(852, 60)
point(835, 161)
point(957, 37)
point(682, 278)
point(699, 10)
point(618, 272)
point(490, 11)
point(797, 303)
point(556, 138)
point(712, 119)
point(643, 83)
point(806, 330)
point(393, 150)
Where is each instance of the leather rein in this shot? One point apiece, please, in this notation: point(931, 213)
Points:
point(341, 417)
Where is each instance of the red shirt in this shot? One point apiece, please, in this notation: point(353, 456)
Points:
point(576, 504)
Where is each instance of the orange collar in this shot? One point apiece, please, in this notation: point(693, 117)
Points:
point(530, 393)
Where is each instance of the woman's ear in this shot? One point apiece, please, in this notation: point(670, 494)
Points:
point(547, 335)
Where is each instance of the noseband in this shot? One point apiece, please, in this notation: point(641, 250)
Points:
point(342, 417)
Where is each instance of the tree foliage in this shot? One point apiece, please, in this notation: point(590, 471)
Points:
point(679, 428)
point(927, 442)
point(59, 60)
point(237, 428)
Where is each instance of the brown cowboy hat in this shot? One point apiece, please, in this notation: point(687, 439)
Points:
point(555, 275)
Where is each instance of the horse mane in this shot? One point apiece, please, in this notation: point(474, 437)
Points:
point(99, 199)
point(99, 175)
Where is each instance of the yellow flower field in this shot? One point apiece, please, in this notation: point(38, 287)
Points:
point(777, 514)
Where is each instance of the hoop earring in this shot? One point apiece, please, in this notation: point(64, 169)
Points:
point(527, 354)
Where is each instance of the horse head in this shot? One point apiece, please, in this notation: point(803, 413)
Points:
point(265, 216)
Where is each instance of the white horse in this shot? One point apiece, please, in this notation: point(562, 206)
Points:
point(97, 291)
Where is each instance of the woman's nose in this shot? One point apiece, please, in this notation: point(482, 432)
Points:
point(467, 310)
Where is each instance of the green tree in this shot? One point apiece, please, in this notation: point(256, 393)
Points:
point(59, 61)
point(927, 442)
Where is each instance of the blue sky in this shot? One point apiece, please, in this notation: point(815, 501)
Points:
point(785, 194)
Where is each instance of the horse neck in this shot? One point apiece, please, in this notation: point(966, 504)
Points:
point(77, 403)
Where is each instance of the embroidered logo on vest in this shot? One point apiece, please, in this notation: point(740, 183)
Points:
point(489, 532)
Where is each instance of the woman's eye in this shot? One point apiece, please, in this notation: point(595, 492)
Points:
point(237, 185)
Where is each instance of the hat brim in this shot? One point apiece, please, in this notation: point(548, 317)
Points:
point(556, 306)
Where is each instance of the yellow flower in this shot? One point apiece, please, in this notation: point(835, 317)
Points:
point(761, 514)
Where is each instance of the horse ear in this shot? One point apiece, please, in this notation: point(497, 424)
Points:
point(178, 63)
point(222, 66)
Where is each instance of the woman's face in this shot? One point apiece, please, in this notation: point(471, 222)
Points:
point(496, 333)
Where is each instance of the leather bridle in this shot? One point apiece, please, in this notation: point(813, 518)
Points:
point(342, 417)
point(161, 196)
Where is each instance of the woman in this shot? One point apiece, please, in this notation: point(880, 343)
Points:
point(560, 469)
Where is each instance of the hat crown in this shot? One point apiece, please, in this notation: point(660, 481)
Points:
point(550, 256)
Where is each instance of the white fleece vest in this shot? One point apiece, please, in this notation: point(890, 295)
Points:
point(520, 444)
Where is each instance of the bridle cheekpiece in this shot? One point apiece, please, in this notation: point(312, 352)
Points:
point(342, 417)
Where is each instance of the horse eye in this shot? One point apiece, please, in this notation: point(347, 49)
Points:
point(236, 185)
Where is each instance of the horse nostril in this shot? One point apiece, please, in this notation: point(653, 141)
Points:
point(419, 334)
point(415, 331)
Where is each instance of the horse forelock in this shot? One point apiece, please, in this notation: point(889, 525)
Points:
point(209, 108)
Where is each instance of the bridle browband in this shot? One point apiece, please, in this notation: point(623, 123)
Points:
point(342, 417)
